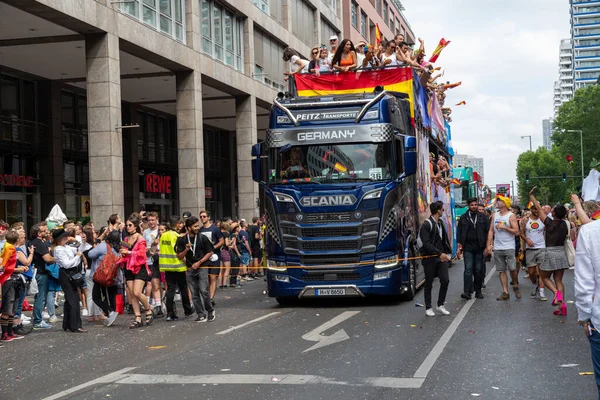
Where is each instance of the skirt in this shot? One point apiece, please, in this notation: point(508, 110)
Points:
point(555, 259)
point(225, 255)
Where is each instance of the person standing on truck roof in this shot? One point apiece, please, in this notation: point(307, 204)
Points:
point(296, 64)
point(437, 254)
point(333, 43)
point(501, 240)
point(473, 227)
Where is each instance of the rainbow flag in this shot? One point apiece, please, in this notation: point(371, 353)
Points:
point(378, 35)
point(451, 85)
point(392, 79)
point(595, 215)
point(438, 50)
point(455, 181)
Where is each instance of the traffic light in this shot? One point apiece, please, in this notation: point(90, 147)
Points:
point(564, 177)
point(526, 178)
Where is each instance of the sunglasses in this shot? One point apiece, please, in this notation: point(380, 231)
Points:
point(203, 216)
point(332, 41)
point(315, 52)
point(130, 225)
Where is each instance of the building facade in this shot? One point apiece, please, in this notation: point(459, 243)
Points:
point(585, 33)
point(465, 160)
point(564, 87)
point(547, 132)
point(361, 16)
point(110, 107)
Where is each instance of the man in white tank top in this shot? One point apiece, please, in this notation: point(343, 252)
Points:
point(501, 241)
point(533, 233)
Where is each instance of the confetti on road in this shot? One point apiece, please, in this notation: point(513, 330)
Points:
point(413, 325)
point(570, 301)
point(475, 394)
point(568, 365)
point(586, 373)
point(529, 340)
point(225, 370)
point(419, 305)
point(495, 388)
point(156, 347)
point(273, 379)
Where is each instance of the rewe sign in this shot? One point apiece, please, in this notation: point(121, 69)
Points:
point(158, 184)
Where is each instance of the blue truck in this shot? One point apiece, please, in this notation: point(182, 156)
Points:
point(340, 181)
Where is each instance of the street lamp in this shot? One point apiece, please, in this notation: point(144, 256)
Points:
point(581, 144)
point(529, 136)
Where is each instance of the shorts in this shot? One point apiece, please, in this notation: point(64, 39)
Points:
point(504, 259)
point(257, 253)
point(245, 260)
point(535, 257)
point(142, 275)
point(154, 268)
point(225, 256)
point(11, 291)
point(214, 270)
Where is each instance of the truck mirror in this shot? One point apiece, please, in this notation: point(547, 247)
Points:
point(256, 161)
point(410, 155)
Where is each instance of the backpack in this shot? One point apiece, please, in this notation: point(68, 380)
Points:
point(420, 243)
point(106, 273)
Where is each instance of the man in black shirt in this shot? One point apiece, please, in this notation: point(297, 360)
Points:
point(197, 250)
point(473, 227)
point(255, 236)
point(437, 252)
point(41, 257)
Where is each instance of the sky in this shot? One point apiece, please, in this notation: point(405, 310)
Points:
point(506, 55)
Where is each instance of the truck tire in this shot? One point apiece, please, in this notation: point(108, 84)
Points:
point(412, 283)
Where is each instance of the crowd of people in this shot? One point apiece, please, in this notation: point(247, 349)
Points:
point(141, 264)
point(345, 56)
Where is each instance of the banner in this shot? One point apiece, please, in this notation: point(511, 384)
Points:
point(86, 206)
point(392, 79)
point(503, 189)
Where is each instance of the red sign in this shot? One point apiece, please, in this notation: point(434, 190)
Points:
point(208, 193)
point(16, 180)
point(158, 184)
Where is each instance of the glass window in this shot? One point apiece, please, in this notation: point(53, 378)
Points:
point(385, 12)
point(262, 4)
point(378, 6)
point(327, 31)
point(218, 32)
point(363, 24)
point(354, 11)
point(392, 23)
point(149, 15)
point(222, 34)
point(159, 14)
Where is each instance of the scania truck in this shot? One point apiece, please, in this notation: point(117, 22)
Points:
point(345, 177)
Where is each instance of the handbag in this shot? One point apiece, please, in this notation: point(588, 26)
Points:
point(33, 286)
point(569, 248)
point(75, 276)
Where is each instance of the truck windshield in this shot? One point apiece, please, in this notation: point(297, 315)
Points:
point(461, 193)
point(330, 163)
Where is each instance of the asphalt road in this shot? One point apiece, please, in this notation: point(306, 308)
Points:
point(370, 349)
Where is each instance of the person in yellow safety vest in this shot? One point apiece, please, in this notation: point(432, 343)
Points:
point(174, 269)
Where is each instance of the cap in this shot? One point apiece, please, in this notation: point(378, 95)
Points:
point(505, 200)
point(334, 37)
point(186, 214)
point(361, 43)
point(58, 234)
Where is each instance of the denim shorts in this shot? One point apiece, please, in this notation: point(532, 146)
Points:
point(505, 259)
point(245, 259)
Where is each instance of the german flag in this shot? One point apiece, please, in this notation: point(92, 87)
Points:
point(438, 50)
point(392, 79)
point(378, 35)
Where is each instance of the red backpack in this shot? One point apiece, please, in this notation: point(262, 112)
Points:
point(106, 273)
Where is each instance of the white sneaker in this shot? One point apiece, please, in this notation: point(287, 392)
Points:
point(442, 310)
point(177, 297)
point(25, 318)
point(111, 318)
point(85, 312)
point(26, 322)
point(53, 319)
point(429, 312)
point(45, 315)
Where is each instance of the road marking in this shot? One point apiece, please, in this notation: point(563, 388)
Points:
point(234, 328)
point(265, 379)
point(110, 378)
point(316, 334)
point(443, 341)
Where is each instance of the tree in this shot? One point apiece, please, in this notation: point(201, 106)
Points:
point(580, 113)
point(540, 165)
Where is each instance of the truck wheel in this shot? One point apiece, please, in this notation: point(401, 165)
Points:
point(285, 301)
point(412, 282)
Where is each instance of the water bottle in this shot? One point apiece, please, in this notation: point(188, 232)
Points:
point(238, 281)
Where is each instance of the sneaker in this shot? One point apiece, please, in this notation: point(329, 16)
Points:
point(172, 318)
point(16, 336)
point(177, 297)
point(45, 315)
point(25, 318)
point(466, 296)
point(429, 312)
point(53, 319)
point(85, 313)
point(21, 330)
point(504, 296)
point(212, 316)
point(517, 292)
point(158, 312)
point(43, 325)
point(187, 314)
point(479, 295)
point(6, 338)
point(542, 297)
point(442, 309)
point(25, 322)
point(200, 319)
point(111, 318)
point(534, 293)
point(56, 304)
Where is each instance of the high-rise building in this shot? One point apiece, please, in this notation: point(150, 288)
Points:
point(585, 32)
point(464, 160)
point(548, 130)
point(563, 88)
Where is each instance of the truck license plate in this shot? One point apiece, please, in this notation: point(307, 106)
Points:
point(331, 292)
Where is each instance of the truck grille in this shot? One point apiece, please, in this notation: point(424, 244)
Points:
point(331, 232)
point(331, 245)
point(333, 260)
point(330, 218)
point(340, 276)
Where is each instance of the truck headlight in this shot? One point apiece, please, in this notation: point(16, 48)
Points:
point(374, 194)
point(386, 262)
point(276, 265)
point(283, 198)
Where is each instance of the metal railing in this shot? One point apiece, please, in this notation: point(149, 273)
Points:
point(75, 140)
point(16, 133)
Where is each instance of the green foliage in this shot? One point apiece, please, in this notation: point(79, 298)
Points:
point(580, 113)
point(540, 164)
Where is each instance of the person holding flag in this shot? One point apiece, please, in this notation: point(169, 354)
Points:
point(438, 50)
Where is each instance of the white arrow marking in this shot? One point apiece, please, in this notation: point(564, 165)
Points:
point(316, 334)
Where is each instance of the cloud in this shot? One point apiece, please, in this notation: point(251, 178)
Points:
point(506, 55)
